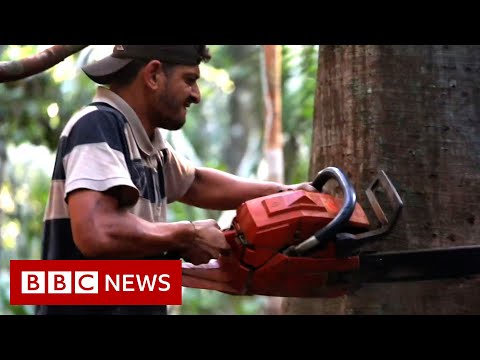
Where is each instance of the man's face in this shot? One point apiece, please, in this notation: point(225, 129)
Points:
point(178, 92)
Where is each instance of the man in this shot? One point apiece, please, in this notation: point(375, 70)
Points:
point(115, 174)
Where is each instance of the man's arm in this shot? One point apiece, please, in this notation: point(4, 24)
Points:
point(218, 190)
point(103, 229)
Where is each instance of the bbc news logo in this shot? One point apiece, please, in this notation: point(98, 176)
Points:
point(59, 282)
point(95, 282)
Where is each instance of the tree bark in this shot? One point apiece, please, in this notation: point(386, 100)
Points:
point(412, 111)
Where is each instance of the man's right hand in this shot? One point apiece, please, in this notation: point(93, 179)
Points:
point(207, 243)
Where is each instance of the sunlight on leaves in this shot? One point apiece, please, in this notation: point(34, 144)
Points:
point(219, 77)
point(43, 47)
point(54, 122)
point(99, 52)
point(17, 52)
point(7, 204)
point(52, 110)
point(31, 156)
point(9, 232)
point(22, 194)
point(65, 70)
point(295, 81)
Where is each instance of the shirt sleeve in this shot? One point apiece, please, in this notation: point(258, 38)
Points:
point(96, 155)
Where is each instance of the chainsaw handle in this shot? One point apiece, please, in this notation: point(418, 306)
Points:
point(328, 232)
point(347, 244)
point(230, 235)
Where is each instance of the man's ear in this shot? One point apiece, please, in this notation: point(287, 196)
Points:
point(153, 74)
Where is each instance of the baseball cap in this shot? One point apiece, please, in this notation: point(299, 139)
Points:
point(101, 70)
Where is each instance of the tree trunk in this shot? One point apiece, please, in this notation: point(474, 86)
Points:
point(412, 111)
point(273, 137)
point(245, 117)
point(273, 143)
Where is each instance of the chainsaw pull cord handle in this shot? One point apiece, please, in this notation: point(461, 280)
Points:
point(327, 233)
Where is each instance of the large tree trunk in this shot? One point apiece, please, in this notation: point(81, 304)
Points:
point(412, 111)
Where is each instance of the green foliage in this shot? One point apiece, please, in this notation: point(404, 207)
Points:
point(5, 307)
point(198, 301)
point(24, 104)
point(210, 118)
point(22, 203)
point(299, 70)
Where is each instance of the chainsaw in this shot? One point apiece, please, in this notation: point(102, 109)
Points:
point(299, 243)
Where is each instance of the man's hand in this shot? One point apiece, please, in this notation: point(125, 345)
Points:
point(207, 276)
point(208, 242)
point(307, 186)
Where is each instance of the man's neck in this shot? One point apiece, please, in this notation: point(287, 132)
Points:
point(137, 103)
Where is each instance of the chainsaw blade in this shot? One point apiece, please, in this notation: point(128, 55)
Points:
point(414, 265)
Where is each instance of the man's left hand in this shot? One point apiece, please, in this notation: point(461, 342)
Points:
point(307, 186)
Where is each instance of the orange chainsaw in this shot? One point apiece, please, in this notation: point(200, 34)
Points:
point(307, 244)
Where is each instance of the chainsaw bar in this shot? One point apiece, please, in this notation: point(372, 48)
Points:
point(414, 265)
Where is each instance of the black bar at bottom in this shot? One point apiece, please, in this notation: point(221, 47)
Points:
point(416, 265)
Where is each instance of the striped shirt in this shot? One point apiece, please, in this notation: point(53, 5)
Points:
point(104, 145)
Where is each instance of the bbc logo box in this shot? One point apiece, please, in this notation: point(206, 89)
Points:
point(95, 282)
point(59, 282)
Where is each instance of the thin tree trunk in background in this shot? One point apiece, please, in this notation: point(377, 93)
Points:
point(412, 111)
point(244, 108)
point(273, 138)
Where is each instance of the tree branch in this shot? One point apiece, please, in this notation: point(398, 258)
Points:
point(20, 69)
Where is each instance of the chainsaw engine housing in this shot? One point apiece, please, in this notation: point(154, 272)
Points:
point(265, 227)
